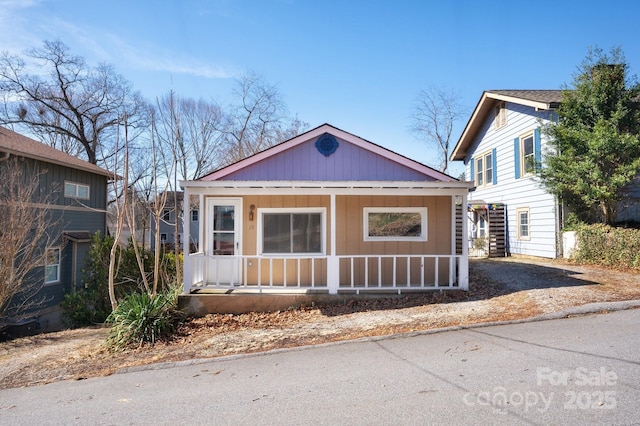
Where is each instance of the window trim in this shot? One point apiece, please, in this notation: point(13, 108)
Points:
point(486, 166)
point(76, 187)
point(295, 210)
point(57, 265)
point(423, 211)
point(519, 211)
point(521, 159)
point(197, 215)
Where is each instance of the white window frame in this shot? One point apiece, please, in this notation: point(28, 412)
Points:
point(52, 265)
point(76, 189)
point(301, 210)
point(500, 115)
point(195, 215)
point(522, 159)
point(519, 212)
point(423, 222)
point(481, 177)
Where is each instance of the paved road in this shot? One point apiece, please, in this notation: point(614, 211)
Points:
point(581, 370)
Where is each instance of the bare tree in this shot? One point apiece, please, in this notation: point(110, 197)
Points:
point(28, 228)
point(190, 129)
point(258, 121)
point(436, 111)
point(81, 105)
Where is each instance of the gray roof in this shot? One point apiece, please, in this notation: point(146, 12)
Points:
point(546, 96)
point(17, 144)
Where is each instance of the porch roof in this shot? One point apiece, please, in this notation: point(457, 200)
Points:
point(326, 187)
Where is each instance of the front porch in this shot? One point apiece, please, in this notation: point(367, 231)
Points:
point(356, 273)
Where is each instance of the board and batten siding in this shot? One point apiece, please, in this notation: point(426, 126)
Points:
point(348, 162)
point(524, 192)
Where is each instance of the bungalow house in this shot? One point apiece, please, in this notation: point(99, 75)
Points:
point(510, 212)
point(77, 206)
point(327, 212)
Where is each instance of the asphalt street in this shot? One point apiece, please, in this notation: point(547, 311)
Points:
point(579, 370)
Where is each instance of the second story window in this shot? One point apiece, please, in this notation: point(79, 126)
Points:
point(528, 155)
point(480, 171)
point(485, 173)
point(500, 112)
point(166, 214)
point(76, 190)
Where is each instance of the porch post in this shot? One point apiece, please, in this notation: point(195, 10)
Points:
point(187, 272)
point(333, 263)
point(463, 270)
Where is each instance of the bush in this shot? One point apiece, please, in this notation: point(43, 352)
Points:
point(140, 318)
point(608, 246)
point(90, 304)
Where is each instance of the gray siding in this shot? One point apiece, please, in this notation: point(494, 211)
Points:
point(68, 214)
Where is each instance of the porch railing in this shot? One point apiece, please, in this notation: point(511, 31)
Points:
point(356, 273)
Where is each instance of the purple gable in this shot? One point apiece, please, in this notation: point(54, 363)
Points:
point(348, 163)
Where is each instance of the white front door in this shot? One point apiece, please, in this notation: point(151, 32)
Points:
point(224, 240)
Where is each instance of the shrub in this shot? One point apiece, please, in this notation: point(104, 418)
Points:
point(140, 318)
point(90, 304)
point(608, 246)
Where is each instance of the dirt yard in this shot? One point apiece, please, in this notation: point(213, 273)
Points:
point(504, 289)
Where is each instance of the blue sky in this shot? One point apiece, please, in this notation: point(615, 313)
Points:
point(358, 65)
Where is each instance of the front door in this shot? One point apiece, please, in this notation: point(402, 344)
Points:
point(224, 242)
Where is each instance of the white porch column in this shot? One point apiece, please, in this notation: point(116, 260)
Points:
point(187, 272)
point(333, 263)
point(463, 270)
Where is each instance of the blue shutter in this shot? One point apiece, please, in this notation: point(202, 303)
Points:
point(473, 176)
point(494, 166)
point(537, 149)
point(516, 156)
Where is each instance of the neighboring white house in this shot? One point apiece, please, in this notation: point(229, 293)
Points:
point(501, 147)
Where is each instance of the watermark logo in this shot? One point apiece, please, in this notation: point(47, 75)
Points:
point(501, 399)
point(584, 389)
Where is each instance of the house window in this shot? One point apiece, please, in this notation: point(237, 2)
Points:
point(480, 171)
point(76, 190)
point(528, 155)
point(163, 238)
point(194, 215)
point(484, 168)
point(52, 266)
point(291, 231)
point(395, 223)
point(523, 224)
point(482, 227)
point(166, 214)
point(500, 112)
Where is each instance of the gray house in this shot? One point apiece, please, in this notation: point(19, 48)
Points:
point(76, 202)
point(167, 225)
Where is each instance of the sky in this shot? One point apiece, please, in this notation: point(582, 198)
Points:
point(356, 64)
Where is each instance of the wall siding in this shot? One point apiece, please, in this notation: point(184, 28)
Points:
point(517, 193)
point(349, 162)
point(349, 234)
point(67, 214)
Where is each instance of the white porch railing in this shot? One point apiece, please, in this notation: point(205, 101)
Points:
point(357, 273)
